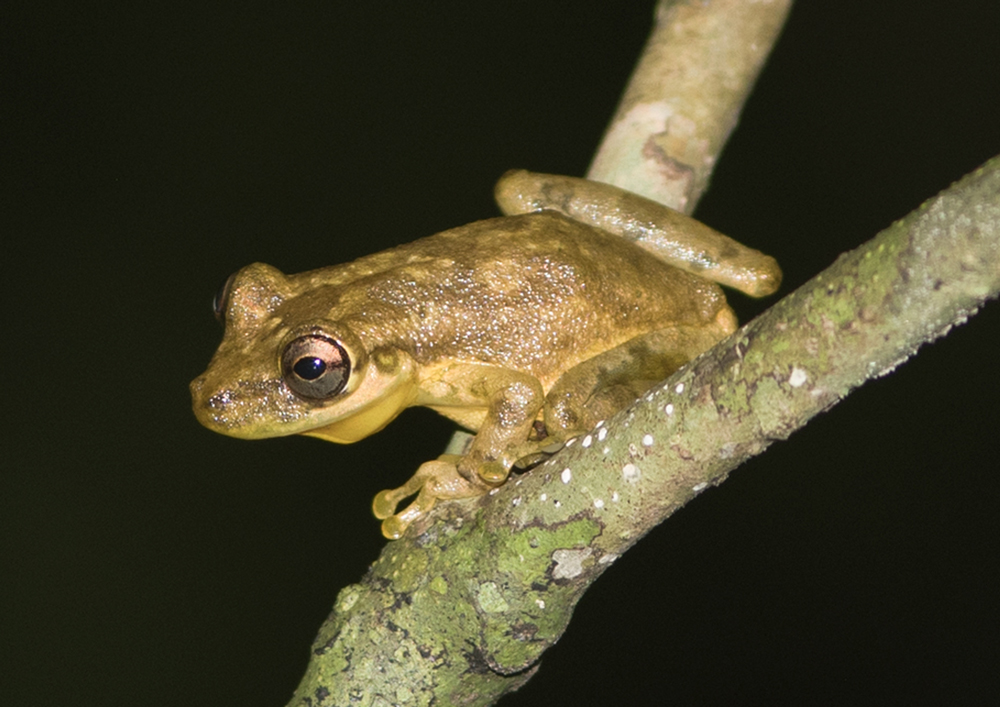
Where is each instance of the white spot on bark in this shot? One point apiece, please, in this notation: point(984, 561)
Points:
point(566, 475)
point(669, 409)
point(587, 441)
point(602, 434)
point(540, 603)
point(607, 559)
point(569, 563)
point(615, 497)
point(516, 501)
point(630, 472)
point(798, 377)
point(698, 488)
point(679, 389)
point(598, 503)
point(543, 497)
point(647, 441)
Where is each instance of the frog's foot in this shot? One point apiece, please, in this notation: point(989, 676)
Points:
point(534, 454)
point(434, 480)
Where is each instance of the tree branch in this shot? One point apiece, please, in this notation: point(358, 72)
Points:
point(462, 608)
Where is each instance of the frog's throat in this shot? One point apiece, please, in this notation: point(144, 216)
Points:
point(370, 418)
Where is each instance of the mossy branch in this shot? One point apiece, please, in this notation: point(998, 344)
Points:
point(461, 609)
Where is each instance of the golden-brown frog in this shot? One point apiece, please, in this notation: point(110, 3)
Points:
point(527, 328)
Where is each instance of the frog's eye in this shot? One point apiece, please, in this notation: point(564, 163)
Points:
point(315, 367)
point(221, 300)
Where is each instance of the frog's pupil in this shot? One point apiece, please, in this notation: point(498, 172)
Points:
point(309, 368)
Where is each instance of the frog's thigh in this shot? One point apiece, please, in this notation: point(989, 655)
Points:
point(601, 386)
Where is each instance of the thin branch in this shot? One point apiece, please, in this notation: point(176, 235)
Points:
point(685, 95)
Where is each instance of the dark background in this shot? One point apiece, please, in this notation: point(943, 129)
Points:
point(149, 152)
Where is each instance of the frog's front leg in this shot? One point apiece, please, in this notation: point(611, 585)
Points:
point(512, 401)
point(515, 400)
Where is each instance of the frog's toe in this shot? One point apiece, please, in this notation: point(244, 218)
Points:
point(385, 502)
point(437, 479)
point(395, 524)
point(493, 473)
point(393, 527)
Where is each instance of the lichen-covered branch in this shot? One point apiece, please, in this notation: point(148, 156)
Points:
point(461, 610)
point(685, 96)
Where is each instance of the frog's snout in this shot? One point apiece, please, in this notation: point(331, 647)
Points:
point(212, 408)
point(198, 401)
point(198, 397)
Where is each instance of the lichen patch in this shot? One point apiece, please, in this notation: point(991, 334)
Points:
point(490, 599)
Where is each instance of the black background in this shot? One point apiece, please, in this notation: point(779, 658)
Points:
point(150, 151)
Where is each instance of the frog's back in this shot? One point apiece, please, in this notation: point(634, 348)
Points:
point(526, 292)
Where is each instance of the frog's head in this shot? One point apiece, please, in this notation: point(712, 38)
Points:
point(282, 370)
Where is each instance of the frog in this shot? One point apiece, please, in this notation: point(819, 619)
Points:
point(527, 329)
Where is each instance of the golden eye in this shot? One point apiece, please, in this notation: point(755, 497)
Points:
point(315, 367)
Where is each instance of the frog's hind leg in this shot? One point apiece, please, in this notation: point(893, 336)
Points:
point(601, 386)
point(671, 236)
